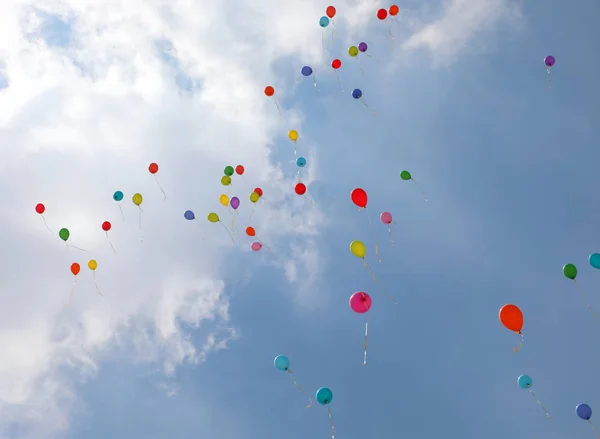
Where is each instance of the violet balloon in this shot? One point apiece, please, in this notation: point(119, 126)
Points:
point(386, 217)
point(256, 246)
point(363, 47)
point(549, 61)
point(234, 202)
point(360, 302)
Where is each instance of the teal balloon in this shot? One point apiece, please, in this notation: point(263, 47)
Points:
point(524, 382)
point(281, 362)
point(595, 260)
point(301, 162)
point(118, 196)
point(324, 21)
point(324, 396)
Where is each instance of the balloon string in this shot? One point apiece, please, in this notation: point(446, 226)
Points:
point(233, 227)
point(518, 348)
point(541, 405)
point(332, 31)
point(331, 423)
point(372, 57)
point(230, 235)
point(111, 245)
point(584, 298)
point(323, 41)
point(95, 284)
point(365, 343)
point(140, 224)
point(593, 428)
point(75, 247)
point(391, 238)
point(160, 187)
point(299, 388)
point(46, 224)
point(121, 210)
point(548, 70)
point(391, 35)
point(315, 82)
point(361, 67)
point(72, 292)
point(419, 187)
point(339, 82)
point(278, 109)
point(252, 213)
point(374, 236)
point(308, 199)
point(365, 104)
point(375, 280)
point(265, 246)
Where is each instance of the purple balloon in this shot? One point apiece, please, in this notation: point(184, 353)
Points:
point(549, 61)
point(234, 202)
point(362, 47)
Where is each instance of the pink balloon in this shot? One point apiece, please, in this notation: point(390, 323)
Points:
point(360, 302)
point(386, 218)
point(256, 246)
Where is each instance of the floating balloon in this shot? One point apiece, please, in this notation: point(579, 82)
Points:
point(106, 226)
point(336, 64)
point(362, 47)
point(324, 21)
point(239, 170)
point(512, 319)
point(330, 11)
point(525, 382)
point(301, 163)
point(584, 411)
point(300, 188)
point(259, 191)
point(308, 71)
point(359, 197)
point(595, 260)
point(234, 203)
point(189, 215)
point(353, 51)
point(386, 218)
point(224, 200)
point(570, 272)
point(254, 197)
point(358, 249)
point(382, 14)
point(228, 171)
point(250, 231)
point(75, 268)
point(394, 10)
point(360, 303)
point(40, 209)
point(270, 92)
point(153, 168)
point(324, 397)
point(282, 364)
point(214, 218)
point(406, 176)
point(293, 135)
point(118, 196)
point(137, 199)
point(226, 180)
point(549, 61)
point(64, 234)
point(93, 265)
point(357, 94)
point(256, 246)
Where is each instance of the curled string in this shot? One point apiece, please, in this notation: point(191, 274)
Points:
point(278, 109)
point(541, 405)
point(75, 247)
point(72, 291)
point(339, 82)
point(417, 184)
point(367, 266)
point(584, 298)
point(365, 104)
point(230, 235)
point(331, 423)
point(121, 210)
point(111, 246)
point(374, 236)
point(160, 187)
point(95, 283)
point(365, 343)
point(299, 388)
point(518, 348)
point(593, 428)
point(46, 224)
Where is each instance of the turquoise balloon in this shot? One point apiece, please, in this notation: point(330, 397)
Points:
point(595, 260)
point(281, 363)
point(524, 382)
point(324, 396)
point(324, 21)
point(118, 196)
point(301, 162)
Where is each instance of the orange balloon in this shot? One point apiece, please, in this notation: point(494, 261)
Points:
point(269, 91)
point(393, 10)
point(75, 268)
point(250, 231)
point(511, 317)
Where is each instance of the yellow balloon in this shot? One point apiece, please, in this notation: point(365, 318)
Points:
point(213, 217)
point(353, 51)
point(92, 264)
point(137, 199)
point(226, 180)
point(358, 249)
point(254, 197)
point(224, 200)
point(293, 135)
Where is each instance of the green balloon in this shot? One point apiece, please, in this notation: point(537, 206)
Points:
point(570, 271)
point(64, 234)
point(229, 171)
point(405, 175)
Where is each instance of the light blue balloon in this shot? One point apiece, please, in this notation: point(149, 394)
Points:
point(301, 162)
point(118, 196)
point(281, 363)
point(324, 396)
point(595, 260)
point(324, 21)
point(524, 382)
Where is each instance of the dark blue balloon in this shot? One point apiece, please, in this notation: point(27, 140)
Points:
point(356, 93)
point(306, 71)
point(584, 411)
point(189, 215)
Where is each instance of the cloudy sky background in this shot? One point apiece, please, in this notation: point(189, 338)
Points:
point(183, 340)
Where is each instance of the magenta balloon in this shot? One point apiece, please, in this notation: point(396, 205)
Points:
point(360, 302)
point(256, 246)
point(386, 218)
point(234, 202)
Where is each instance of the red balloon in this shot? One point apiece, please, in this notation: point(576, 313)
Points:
point(258, 191)
point(382, 14)
point(336, 64)
point(330, 11)
point(106, 225)
point(300, 188)
point(393, 10)
point(359, 197)
point(239, 169)
point(269, 91)
point(153, 168)
point(40, 208)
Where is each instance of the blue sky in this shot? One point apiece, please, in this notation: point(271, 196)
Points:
point(509, 168)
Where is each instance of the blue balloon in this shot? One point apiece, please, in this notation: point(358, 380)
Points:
point(324, 21)
point(524, 381)
point(595, 260)
point(301, 162)
point(324, 396)
point(118, 196)
point(189, 215)
point(281, 363)
point(356, 93)
point(306, 71)
point(584, 411)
